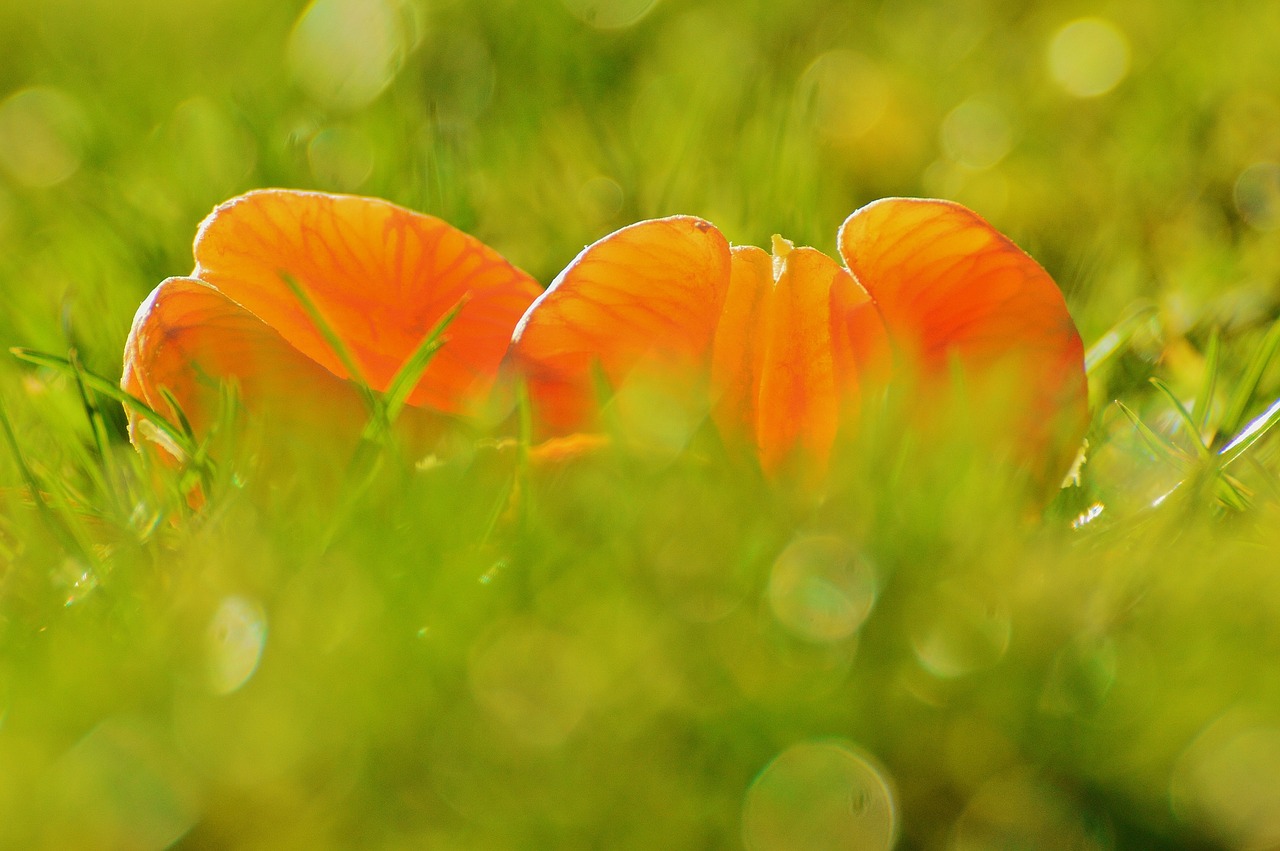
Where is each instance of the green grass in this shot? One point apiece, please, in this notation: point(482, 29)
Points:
point(469, 651)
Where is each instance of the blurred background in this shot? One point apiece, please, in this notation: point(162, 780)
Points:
point(1131, 147)
point(1116, 691)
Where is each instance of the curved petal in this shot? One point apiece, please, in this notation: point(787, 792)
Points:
point(188, 338)
point(381, 275)
point(739, 348)
point(949, 285)
point(864, 359)
point(797, 340)
point(647, 295)
point(800, 399)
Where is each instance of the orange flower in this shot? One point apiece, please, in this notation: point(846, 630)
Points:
point(381, 276)
point(790, 346)
point(784, 350)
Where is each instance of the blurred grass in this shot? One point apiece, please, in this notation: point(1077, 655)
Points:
point(614, 661)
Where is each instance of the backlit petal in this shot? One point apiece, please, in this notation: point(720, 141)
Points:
point(797, 340)
point(949, 286)
point(381, 275)
point(188, 338)
point(740, 343)
point(860, 344)
point(647, 296)
point(799, 401)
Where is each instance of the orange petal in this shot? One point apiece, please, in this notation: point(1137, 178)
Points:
point(797, 338)
point(799, 402)
point(740, 343)
point(949, 285)
point(381, 275)
point(647, 296)
point(188, 338)
point(864, 360)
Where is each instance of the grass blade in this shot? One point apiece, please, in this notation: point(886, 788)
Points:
point(56, 523)
point(1268, 477)
point(1232, 493)
point(1112, 342)
point(96, 462)
point(112, 391)
point(524, 448)
point(334, 340)
point(97, 424)
point(1188, 421)
point(1204, 399)
point(1233, 416)
point(406, 378)
point(1250, 434)
point(181, 415)
point(1158, 445)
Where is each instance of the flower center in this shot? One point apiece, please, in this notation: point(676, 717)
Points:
point(781, 249)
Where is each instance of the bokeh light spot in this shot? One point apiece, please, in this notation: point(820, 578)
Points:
point(1088, 57)
point(954, 632)
point(42, 136)
point(341, 158)
point(847, 94)
point(1257, 195)
point(121, 786)
point(1228, 780)
point(1080, 677)
point(657, 412)
point(821, 589)
point(985, 190)
point(458, 75)
point(7, 214)
point(76, 580)
point(345, 52)
point(600, 198)
point(1019, 810)
point(214, 150)
point(976, 134)
point(234, 643)
point(822, 794)
point(609, 14)
point(536, 682)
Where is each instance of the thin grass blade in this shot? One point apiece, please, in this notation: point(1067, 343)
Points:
point(1232, 493)
point(524, 446)
point(1188, 421)
point(1114, 341)
point(183, 422)
point(97, 423)
point(1157, 444)
point(112, 391)
point(1233, 416)
point(1250, 434)
point(51, 518)
point(95, 461)
point(406, 378)
point(1204, 399)
point(334, 340)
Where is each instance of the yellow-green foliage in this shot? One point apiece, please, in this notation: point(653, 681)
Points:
point(650, 648)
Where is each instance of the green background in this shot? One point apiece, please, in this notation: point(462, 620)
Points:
point(617, 668)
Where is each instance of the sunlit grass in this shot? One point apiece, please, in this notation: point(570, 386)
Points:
point(645, 644)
